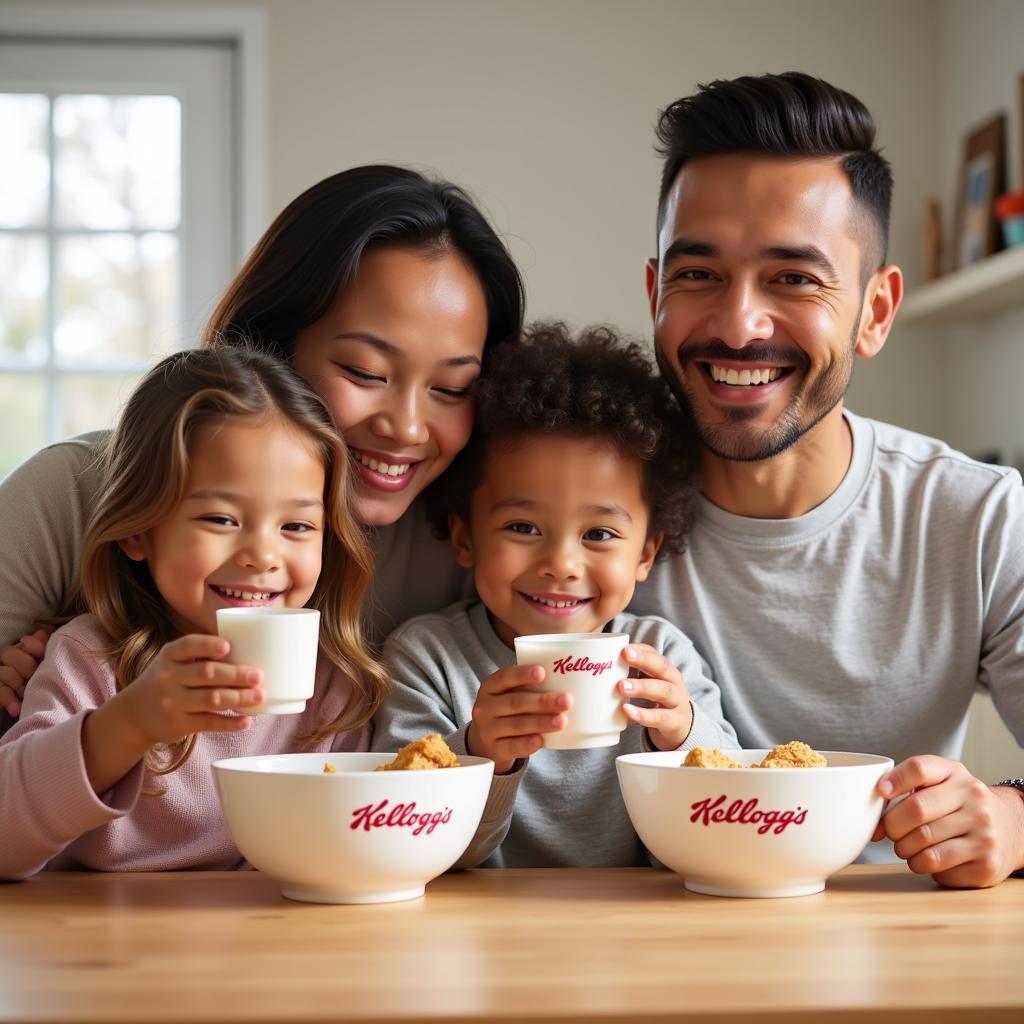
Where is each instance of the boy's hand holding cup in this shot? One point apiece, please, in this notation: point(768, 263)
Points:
point(669, 719)
point(512, 714)
point(571, 691)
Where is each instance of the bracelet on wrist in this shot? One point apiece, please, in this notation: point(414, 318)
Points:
point(1017, 784)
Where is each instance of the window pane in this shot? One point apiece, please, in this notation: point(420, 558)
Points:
point(91, 402)
point(22, 400)
point(118, 161)
point(24, 162)
point(22, 299)
point(117, 298)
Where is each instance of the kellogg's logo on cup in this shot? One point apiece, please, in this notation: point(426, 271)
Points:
point(745, 812)
point(399, 816)
point(573, 664)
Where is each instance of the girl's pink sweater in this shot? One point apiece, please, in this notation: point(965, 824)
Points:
point(51, 818)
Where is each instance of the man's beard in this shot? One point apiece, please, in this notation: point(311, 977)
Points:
point(732, 440)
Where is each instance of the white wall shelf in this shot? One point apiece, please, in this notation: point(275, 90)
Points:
point(991, 286)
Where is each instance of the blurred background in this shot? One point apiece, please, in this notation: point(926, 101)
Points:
point(145, 146)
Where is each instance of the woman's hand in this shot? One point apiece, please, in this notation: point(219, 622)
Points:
point(18, 663)
point(509, 718)
point(185, 689)
point(668, 723)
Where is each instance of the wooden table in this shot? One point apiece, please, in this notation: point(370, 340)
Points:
point(506, 946)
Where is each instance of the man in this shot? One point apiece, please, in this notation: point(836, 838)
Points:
point(849, 583)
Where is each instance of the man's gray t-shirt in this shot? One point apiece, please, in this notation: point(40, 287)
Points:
point(868, 623)
point(557, 808)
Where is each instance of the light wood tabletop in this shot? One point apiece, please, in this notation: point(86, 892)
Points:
point(506, 946)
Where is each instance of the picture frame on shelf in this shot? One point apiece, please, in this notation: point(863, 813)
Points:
point(982, 178)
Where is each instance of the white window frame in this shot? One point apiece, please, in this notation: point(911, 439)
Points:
point(243, 28)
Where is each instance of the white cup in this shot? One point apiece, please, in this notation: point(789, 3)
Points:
point(283, 643)
point(588, 666)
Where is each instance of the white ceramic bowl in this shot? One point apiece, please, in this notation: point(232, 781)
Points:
point(753, 831)
point(352, 835)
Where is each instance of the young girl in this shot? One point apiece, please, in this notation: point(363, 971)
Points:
point(227, 485)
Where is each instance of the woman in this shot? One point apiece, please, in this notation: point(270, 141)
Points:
point(386, 291)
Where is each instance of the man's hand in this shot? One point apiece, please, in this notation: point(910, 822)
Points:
point(669, 722)
point(951, 825)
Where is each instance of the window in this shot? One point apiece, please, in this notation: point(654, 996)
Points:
point(118, 227)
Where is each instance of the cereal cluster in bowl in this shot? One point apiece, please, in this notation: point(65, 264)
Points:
point(794, 754)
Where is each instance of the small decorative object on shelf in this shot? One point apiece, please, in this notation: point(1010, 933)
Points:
point(982, 178)
point(933, 240)
point(1010, 212)
point(1020, 127)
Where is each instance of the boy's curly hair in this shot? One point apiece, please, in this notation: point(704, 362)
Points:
point(592, 387)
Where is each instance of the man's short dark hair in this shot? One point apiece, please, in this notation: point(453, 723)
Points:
point(793, 115)
point(594, 387)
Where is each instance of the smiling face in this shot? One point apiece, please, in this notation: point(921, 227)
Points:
point(758, 298)
point(249, 532)
point(557, 535)
point(393, 358)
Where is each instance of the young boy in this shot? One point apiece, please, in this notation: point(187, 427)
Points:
point(577, 475)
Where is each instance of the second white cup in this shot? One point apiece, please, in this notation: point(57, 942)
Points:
point(283, 643)
point(588, 666)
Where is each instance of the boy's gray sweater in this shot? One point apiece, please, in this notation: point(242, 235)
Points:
point(557, 808)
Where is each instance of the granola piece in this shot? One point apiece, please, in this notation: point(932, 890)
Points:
point(713, 758)
point(426, 752)
point(794, 754)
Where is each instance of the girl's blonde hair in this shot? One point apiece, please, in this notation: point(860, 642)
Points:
point(146, 470)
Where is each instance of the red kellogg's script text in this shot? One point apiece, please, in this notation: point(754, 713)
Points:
point(745, 812)
point(571, 664)
point(399, 816)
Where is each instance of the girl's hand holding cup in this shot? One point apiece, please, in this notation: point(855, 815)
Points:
point(186, 688)
point(510, 718)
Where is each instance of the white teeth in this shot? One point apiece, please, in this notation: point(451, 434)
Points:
point(744, 378)
point(246, 595)
point(385, 468)
point(557, 604)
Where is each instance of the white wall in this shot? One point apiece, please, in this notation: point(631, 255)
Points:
point(545, 108)
point(980, 50)
point(981, 56)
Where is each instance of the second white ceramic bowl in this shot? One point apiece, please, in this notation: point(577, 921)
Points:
point(753, 831)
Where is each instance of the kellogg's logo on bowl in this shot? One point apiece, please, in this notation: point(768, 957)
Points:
point(400, 815)
point(745, 812)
